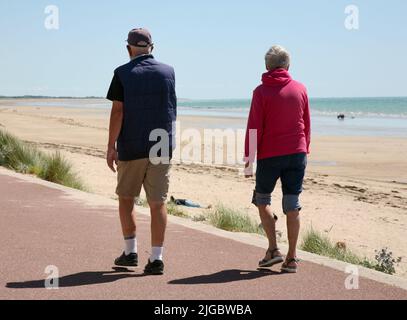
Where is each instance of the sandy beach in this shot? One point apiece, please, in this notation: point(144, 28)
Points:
point(355, 190)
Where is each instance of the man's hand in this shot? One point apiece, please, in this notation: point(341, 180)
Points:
point(112, 158)
point(248, 171)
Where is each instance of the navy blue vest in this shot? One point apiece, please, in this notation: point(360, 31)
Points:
point(150, 103)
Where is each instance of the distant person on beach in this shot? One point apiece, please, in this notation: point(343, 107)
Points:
point(144, 101)
point(279, 132)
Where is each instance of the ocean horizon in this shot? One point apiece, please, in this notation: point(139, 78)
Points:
point(385, 116)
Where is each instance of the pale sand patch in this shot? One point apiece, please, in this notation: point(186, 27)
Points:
point(349, 189)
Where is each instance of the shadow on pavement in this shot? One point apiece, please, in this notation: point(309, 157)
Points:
point(226, 276)
point(80, 279)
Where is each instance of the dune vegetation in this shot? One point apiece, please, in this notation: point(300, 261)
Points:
point(21, 157)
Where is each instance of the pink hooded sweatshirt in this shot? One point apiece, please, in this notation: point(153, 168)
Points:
point(280, 114)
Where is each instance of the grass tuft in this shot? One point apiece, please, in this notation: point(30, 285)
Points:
point(17, 156)
point(174, 210)
point(317, 243)
point(200, 218)
point(26, 159)
point(58, 170)
point(234, 221)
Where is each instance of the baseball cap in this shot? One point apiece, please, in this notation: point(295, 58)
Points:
point(139, 37)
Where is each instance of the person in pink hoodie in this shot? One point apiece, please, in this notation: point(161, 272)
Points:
point(279, 132)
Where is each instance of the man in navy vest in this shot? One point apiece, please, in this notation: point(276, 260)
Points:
point(141, 142)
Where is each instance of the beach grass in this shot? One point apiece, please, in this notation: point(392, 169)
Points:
point(57, 169)
point(23, 158)
point(200, 218)
point(174, 210)
point(17, 156)
point(234, 221)
point(317, 243)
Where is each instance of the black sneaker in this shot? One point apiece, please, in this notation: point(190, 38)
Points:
point(155, 268)
point(127, 261)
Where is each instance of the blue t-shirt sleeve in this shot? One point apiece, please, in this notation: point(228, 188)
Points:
point(116, 90)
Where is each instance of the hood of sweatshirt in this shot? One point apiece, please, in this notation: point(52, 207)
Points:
point(277, 77)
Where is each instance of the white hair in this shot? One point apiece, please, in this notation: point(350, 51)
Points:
point(277, 57)
point(141, 50)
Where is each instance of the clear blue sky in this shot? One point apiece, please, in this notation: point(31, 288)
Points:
point(216, 47)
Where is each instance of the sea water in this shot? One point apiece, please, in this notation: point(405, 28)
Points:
point(383, 117)
point(363, 116)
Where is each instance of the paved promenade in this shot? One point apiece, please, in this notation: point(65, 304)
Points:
point(43, 225)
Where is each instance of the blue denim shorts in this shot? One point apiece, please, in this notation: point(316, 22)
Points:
point(290, 170)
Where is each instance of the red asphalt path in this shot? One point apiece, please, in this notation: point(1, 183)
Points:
point(41, 226)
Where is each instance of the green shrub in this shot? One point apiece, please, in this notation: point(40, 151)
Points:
point(385, 261)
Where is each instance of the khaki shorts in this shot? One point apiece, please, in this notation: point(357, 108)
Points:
point(133, 175)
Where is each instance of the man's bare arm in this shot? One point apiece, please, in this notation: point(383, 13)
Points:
point(116, 121)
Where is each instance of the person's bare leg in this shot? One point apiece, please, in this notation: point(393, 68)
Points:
point(127, 216)
point(158, 223)
point(269, 226)
point(293, 227)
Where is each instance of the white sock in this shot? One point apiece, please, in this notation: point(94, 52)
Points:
point(130, 245)
point(156, 254)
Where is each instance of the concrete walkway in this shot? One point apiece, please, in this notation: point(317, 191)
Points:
point(43, 224)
